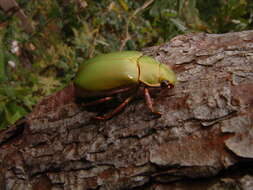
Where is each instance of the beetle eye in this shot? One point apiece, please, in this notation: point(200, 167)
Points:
point(164, 83)
point(170, 86)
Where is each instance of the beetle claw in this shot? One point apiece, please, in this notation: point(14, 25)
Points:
point(101, 118)
point(157, 113)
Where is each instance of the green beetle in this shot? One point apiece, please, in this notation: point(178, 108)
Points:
point(113, 73)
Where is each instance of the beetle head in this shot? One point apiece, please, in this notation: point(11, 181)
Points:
point(166, 84)
point(167, 76)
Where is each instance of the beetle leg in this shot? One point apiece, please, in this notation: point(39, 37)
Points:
point(105, 99)
point(150, 102)
point(116, 110)
point(125, 89)
point(101, 100)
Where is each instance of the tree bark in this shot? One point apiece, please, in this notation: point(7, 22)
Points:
point(203, 140)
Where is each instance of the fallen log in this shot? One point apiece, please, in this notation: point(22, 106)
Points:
point(205, 132)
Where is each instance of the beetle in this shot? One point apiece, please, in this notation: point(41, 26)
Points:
point(108, 74)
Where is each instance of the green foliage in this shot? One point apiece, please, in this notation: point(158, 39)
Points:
point(68, 32)
point(226, 16)
point(2, 64)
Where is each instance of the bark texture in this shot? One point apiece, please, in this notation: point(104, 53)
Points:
point(204, 139)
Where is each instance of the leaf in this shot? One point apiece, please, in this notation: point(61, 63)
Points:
point(123, 4)
point(180, 25)
point(13, 112)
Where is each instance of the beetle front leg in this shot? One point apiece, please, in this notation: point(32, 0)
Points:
point(150, 102)
point(116, 110)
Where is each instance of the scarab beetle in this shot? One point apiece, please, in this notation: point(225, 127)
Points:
point(109, 74)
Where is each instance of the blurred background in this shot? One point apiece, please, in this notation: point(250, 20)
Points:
point(43, 42)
